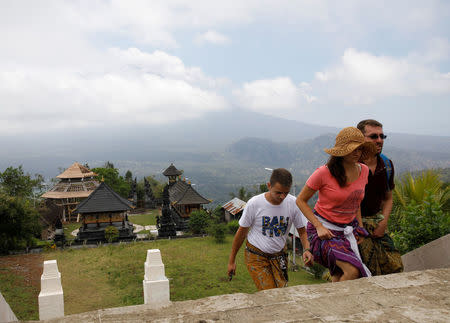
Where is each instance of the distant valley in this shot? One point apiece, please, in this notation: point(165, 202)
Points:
point(218, 153)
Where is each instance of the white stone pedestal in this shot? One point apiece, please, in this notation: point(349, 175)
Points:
point(156, 284)
point(51, 298)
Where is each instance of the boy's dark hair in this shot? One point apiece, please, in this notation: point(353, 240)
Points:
point(281, 176)
point(370, 122)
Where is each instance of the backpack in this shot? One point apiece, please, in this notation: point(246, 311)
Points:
point(388, 165)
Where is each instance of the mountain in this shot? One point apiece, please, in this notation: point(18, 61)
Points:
point(219, 152)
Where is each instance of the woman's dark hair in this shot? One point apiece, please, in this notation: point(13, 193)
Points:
point(337, 170)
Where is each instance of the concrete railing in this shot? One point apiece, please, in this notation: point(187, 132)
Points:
point(6, 313)
point(156, 284)
point(51, 297)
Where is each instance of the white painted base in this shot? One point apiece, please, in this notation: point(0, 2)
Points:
point(154, 271)
point(51, 298)
point(156, 292)
point(51, 305)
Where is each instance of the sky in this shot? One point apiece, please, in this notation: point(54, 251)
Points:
point(84, 64)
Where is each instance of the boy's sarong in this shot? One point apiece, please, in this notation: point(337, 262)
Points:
point(379, 254)
point(327, 252)
point(265, 269)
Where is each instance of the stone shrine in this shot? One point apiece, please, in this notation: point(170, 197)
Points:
point(104, 208)
point(149, 198)
point(165, 223)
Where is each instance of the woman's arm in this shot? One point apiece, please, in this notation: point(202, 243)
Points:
point(359, 218)
point(302, 203)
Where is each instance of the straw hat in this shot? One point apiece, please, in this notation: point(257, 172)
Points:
point(347, 140)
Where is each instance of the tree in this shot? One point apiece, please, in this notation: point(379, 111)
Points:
point(19, 223)
point(128, 176)
point(14, 182)
point(114, 180)
point(242, 194)
point(156, 186)
point(245, 195)
point(108, 164)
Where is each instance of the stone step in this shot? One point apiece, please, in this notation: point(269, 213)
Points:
point(419, 296)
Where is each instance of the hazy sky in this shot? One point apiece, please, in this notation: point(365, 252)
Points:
point(82, 64)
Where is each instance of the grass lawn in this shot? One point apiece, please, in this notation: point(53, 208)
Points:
point(20, 284)
point(68, 229)
point(111, 275)
point(144, 219)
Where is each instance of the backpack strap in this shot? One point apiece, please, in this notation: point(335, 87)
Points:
point(388, 165)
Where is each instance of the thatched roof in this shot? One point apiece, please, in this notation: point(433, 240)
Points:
point(72, 189)
point(76, 170)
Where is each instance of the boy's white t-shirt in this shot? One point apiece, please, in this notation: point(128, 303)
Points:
point(270, 224)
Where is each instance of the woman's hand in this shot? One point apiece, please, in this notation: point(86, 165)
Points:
point(324, 233)
point(359, 239)
point(308, 258)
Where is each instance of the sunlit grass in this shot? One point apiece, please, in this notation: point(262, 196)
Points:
point(112, 275)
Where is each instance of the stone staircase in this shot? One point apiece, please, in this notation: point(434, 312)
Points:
point(419, 296)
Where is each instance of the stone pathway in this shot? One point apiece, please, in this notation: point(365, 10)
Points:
point(420, 296)
point(138, 228)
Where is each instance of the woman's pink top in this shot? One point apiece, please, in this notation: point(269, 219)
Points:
point(335, 203)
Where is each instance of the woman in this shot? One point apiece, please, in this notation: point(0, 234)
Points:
point(335, 225)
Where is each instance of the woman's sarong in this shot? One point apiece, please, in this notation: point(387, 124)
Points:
point(379, 254)
point(327, 252)
point(266, 270)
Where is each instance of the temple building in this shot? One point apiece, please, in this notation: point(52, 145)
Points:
point(104, 208)
point(76, 183)
point(183, 198)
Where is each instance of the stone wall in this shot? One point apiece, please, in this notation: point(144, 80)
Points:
point(435, 254)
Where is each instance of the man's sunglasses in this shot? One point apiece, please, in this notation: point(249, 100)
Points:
point(375, 136)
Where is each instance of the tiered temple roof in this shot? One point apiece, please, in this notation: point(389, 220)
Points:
point(182, 193)
point(172, 171)
point(103, 199)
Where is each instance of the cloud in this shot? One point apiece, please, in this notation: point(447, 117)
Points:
point(273, 96)
point(135, 88)
point(363, 78)
point(212, 37)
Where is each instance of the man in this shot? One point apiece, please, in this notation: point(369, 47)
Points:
point(378, 251)
point(266, 222)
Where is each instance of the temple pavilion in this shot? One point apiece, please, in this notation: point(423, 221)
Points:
point(183, 197)
point(75, 184)
point(104, 208)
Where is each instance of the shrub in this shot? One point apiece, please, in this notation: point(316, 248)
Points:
point(217, 230)
point(111, 233)
point(198, 221)
point(421, 223)
point(233, 226)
